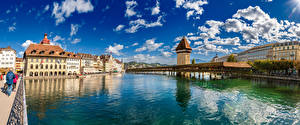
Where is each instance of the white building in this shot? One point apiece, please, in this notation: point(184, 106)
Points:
point(7, 58)
point(73, 64)
point(86, 63)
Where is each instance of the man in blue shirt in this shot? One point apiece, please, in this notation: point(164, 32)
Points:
point(9, 81)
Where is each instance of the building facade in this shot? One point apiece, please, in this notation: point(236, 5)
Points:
point(286, 51)
point(86, 63)
point(44, 59)
point(263, 52)
point(73, 64)
point(7, 59)
point(19, 65)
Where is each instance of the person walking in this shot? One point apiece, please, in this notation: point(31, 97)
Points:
point(10, 76)
point(15, 82)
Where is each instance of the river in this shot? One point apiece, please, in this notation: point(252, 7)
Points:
point(161, 100)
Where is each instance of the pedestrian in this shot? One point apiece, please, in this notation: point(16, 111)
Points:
point(15, 82)
point(10, 76)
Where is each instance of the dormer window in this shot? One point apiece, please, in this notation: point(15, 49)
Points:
point(51, 52)
point(62, 53)
point(33, 51)
point(42, 52)
point(69, 54)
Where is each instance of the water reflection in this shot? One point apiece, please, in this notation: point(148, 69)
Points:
point(153, 99)
point(43, 94)
point(183, 93)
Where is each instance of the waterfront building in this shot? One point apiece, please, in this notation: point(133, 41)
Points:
point(287, 51)
point(263, 52)
point(19, 65)
point(86, 63)
point(73, 63)
point(98, 63)
point(43, 59)
point(7, 59)
point(223, 58)
point(183, 51)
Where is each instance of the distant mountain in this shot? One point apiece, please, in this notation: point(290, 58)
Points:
point(131, 65)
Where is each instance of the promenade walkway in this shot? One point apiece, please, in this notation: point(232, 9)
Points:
point(6, 104)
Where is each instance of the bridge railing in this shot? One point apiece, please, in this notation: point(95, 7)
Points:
point(18, 113)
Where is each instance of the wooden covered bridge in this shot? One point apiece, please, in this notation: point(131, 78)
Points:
point(226, 68)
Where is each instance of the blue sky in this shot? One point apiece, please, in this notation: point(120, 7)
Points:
point(148, 31)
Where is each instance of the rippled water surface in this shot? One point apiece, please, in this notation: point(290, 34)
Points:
point(157, 99)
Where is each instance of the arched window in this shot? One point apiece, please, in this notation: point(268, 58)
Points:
point(59, 66)
point(36, 66)
point(31, 74)
point(63, 73)
point(51, 74)
point(55, 73)
point(46, 66)
point(46, 73)
point(55, 66)
point(41, 73)
point(51, 66)
point(36, 74)
point(41, 65)
point(64, 66)
point(31, 66)
point(59, 73)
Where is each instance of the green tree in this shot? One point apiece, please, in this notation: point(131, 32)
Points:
point(231, 58)
point(193, 61)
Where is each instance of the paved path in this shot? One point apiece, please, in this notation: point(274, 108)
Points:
point(6, 104)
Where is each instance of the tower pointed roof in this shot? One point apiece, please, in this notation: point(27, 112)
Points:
point(184, 45)
point(45, 40)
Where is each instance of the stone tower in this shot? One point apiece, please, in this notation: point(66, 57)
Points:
point(183, 51)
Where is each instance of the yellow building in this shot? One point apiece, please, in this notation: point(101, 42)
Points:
point(183, 51)
point(287, 51)
point(44, 59)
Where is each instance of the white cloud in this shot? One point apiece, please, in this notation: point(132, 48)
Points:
point(75, 41)
point(67, 7)
point(156, 9)
point(115, 49)
point(21, 53)
point(47, 7)
point(166, 54)
point(12, 28)
point(135, 44)
point(7, 11)
point(139, 23)
point(149, 45)
point(74, 29)
point(119, 27)
point(57, 38)
point(130, 5)
point(26, 44)
point(151, 59)
point(194, 8)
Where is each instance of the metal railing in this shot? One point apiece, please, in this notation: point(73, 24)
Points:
point(18, 113)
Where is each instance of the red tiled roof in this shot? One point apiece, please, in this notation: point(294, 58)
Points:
point(45, 50)
point(19, 59)
point(183, 45)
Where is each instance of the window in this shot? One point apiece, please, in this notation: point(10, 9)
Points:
point(59, 66)
point(47, 66)
point(36, 66)
point(31, 66)
point(42, 66)
point(51, 66)
point(55, 66)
